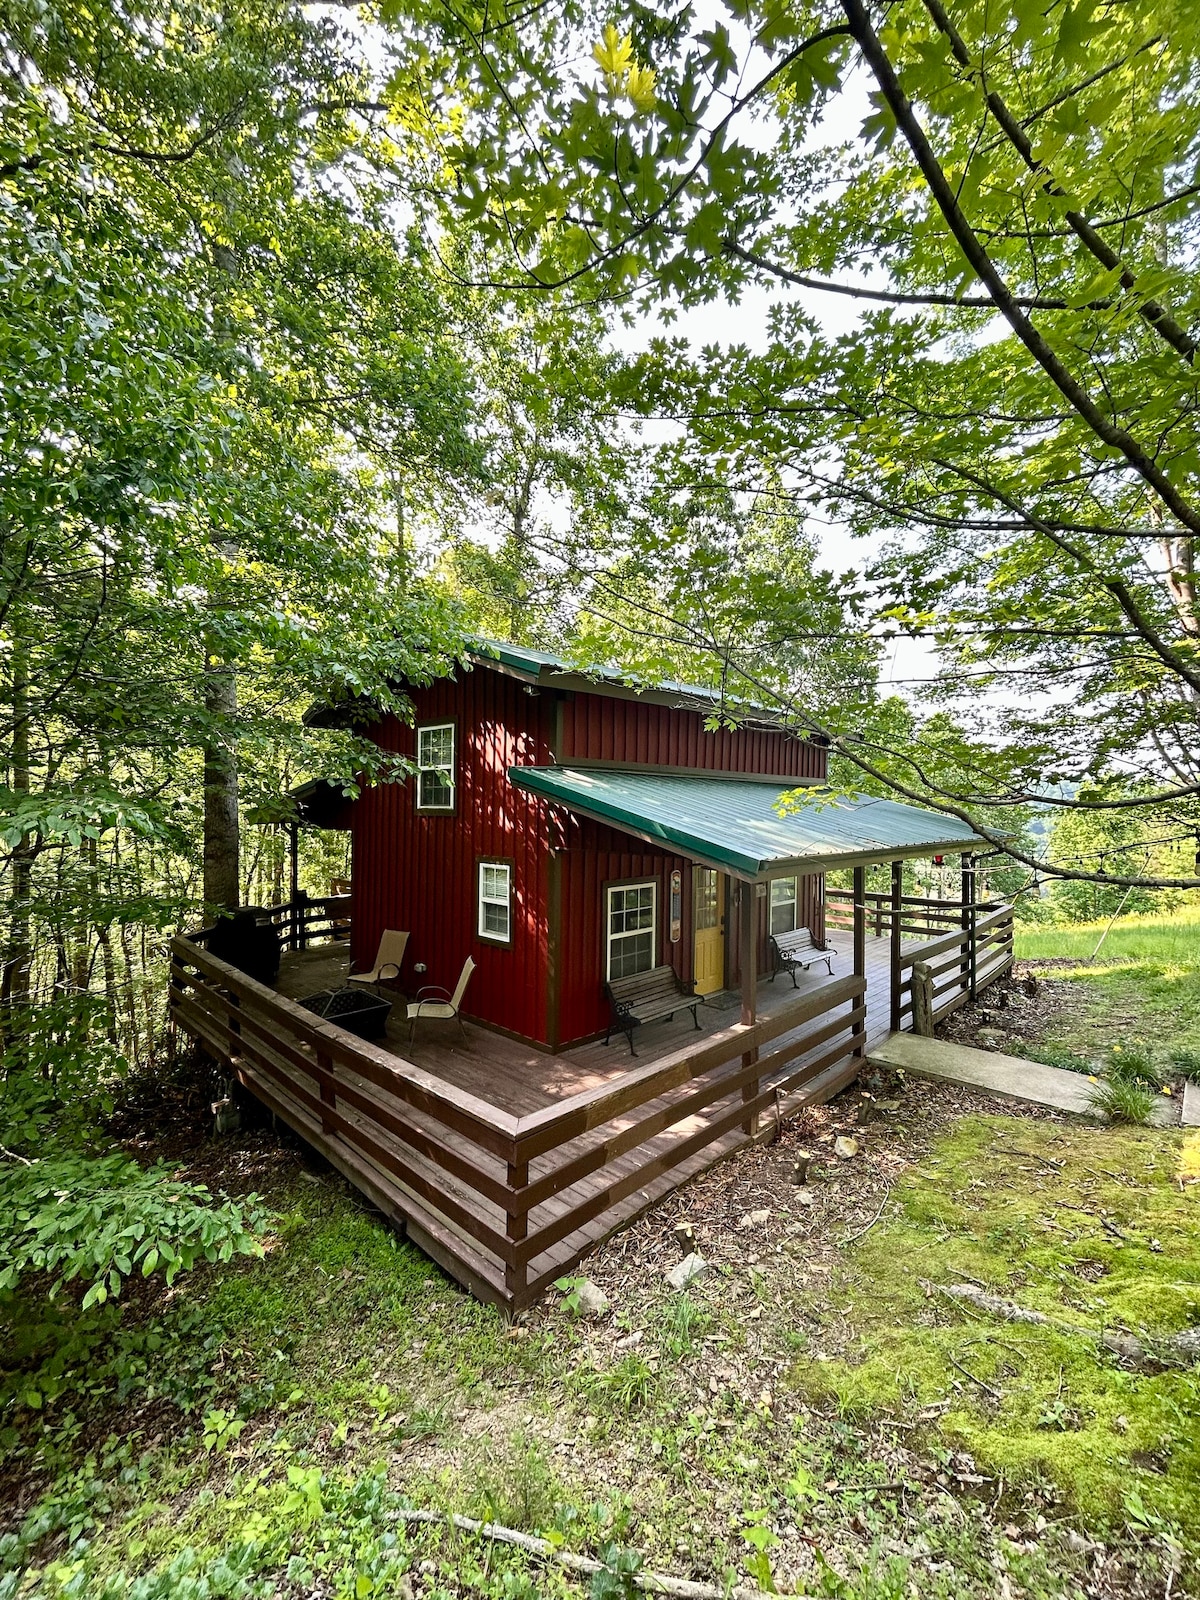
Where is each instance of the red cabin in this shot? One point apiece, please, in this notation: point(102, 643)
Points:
point(604, 856)
point(470, 858)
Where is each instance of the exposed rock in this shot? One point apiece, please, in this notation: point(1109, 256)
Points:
point(685, 1272)
point(845, 1147)
point(593, 1302)
point(804, 1197)
point(753, 1219)
point(991, 1038)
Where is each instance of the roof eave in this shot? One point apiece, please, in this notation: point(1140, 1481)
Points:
point(748, 869)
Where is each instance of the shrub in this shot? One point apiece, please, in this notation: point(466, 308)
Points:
point(1133, 1066)
point(1122, 1101)
point(98, 1219)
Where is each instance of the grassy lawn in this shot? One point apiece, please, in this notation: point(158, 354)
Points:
point(808, 1414)
point(1142, 990)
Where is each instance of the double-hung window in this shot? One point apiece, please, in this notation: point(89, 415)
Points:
point(783, 905)
point(631, 928)
point(495, 901)
point(435, 767)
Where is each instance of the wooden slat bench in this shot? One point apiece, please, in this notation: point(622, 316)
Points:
point(652, 996)
point(798, 949)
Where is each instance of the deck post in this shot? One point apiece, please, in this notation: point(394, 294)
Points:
point(748, 948)
point(895, 935)
point(968, 922)
point(328, 1093)
point(860, 931)
point(299, 921)
point(516, 1229)
point(294, 857)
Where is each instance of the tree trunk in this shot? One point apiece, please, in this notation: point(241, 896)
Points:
point(221, 879)
point(16, 980)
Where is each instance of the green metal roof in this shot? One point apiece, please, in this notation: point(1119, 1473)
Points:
point(735, 824)
point(535, 662)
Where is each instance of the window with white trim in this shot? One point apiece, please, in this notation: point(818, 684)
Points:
point(435, 767)
point(783, 905)
point(495, 901)
point(631, 928)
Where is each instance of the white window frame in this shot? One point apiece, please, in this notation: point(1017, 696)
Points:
point(423, 768)
point(792, 900)
point(482, 901)
point(609, 937)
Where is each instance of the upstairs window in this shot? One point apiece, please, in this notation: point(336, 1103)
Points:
point(632, 932)
point(783, 905)
point(435, 767)
point(495, 901)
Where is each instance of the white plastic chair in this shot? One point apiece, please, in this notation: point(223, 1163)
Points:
point(387, 960)
point(447, 1008)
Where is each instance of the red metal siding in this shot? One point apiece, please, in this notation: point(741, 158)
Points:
point(417, 871)
point(601, 728)
point(594, 857)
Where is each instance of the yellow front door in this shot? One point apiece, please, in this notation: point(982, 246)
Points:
point(708, 962)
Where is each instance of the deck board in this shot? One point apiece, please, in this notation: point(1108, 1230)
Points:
point(521, 1078)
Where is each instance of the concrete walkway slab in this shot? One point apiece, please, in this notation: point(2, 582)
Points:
point(1010, 1077)
point(1191, 1105)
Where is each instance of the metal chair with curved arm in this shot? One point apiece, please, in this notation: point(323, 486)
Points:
point(441, 1003)
point(387, 960)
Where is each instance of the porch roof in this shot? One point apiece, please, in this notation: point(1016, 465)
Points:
point(735, 825)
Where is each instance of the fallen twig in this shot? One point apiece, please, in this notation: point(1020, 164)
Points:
point(852, 1237)
point(1032, 1155)
point(872, 1488)
point(647, 1582)
point(1166, 1350)
point(986, 1387)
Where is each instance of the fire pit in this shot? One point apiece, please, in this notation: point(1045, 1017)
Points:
point(353, 1009)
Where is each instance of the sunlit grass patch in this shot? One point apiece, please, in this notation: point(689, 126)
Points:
point(1167, 940)
point(1105, 1237)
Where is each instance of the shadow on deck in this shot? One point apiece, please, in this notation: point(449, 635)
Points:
point(521, 1078)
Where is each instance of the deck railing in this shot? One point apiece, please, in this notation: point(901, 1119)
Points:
point(918, 915)
point(505, 1203)
point(960, 965)
point(306, 920)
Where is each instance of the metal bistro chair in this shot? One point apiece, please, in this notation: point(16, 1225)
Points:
point(447, 1008)
point(387, 960)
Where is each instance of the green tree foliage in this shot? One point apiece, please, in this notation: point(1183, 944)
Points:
point(220, 349)
point(1007, 199)
point(554, 474)
point(217, 348)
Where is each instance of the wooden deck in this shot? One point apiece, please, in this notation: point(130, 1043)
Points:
point(508, 1164)
point(520, 1078)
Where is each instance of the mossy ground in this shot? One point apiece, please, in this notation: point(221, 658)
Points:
point(1092, 1227)
point(259, 1427)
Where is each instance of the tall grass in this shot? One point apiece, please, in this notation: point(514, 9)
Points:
point(1164, 939)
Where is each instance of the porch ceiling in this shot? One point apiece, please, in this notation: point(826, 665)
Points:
point(736, 825)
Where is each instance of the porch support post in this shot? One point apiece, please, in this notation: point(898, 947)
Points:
point(968, 921)
point(894, 931)
point(748, 951)
point(860, 932)
point(748, 955)
point(294, 889)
